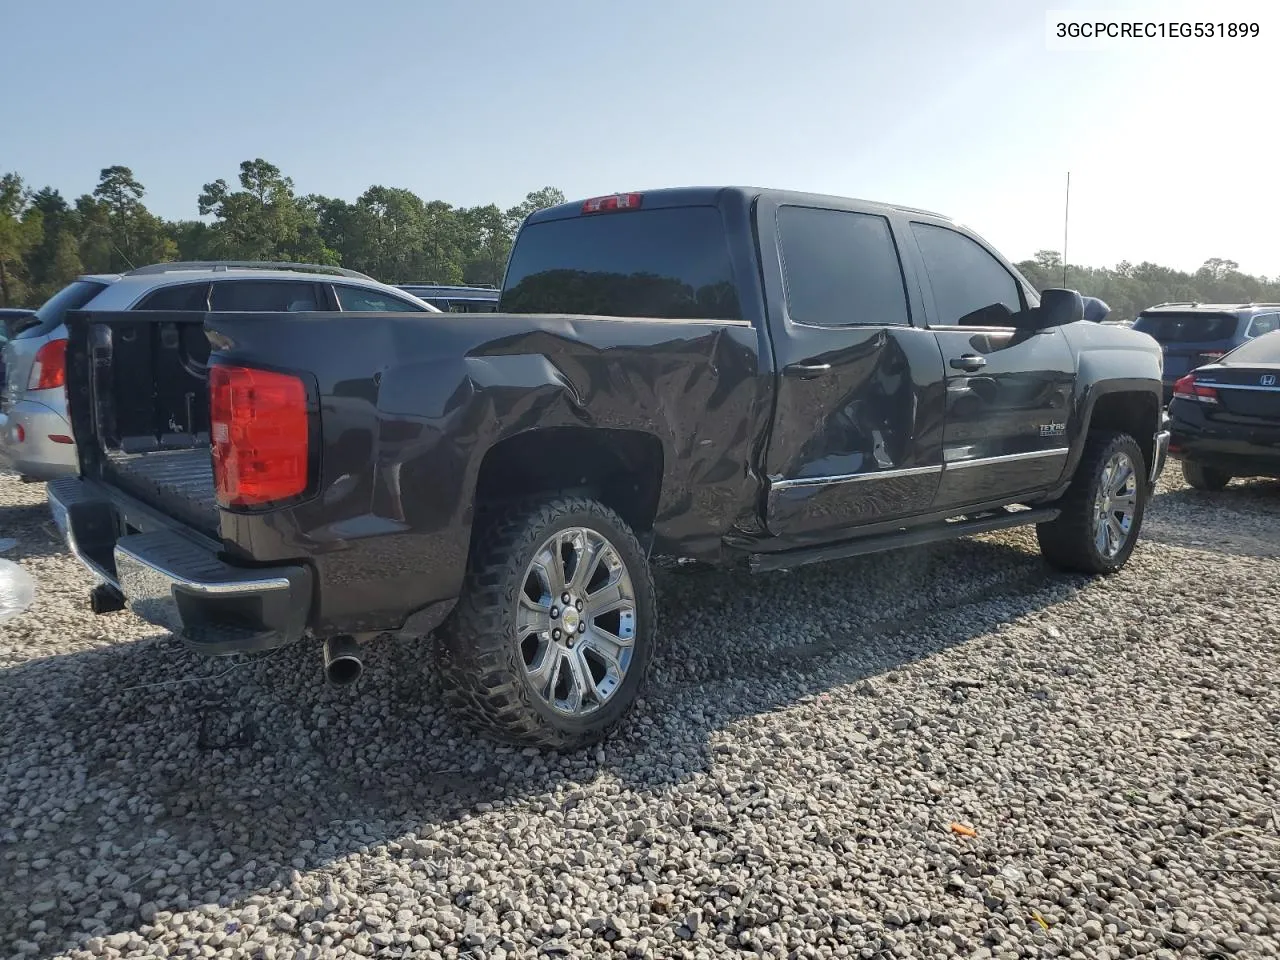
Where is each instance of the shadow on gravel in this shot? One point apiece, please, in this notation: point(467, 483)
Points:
point(1241, 521)
point(117, 795)
point(32, 526)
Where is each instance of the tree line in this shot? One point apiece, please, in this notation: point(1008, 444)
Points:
point(1130, 288)
point(388, 232)
point(393, 234)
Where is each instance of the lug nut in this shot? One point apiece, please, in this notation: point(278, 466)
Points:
point(582, 627)
point(555, 634)
point(564, 598)
point(579, 604)
point(555, 612)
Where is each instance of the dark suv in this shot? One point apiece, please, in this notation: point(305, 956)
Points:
point(1193, 334)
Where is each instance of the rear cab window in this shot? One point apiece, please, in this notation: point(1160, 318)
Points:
point(1173, 327)
point(71, 297)
point(667, 263)
point(840, 268)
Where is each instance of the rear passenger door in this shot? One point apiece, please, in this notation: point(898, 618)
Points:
point(1008, 387)
point(857, 431)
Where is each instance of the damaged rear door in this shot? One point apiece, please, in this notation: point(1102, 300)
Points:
point(857, 434)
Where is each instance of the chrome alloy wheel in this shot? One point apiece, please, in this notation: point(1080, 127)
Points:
point(576, 621)
point(1115, 504)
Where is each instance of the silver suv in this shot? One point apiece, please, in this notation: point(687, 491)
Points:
point(35, 437)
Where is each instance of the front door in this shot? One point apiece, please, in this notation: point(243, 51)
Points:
point(1008, 389)
point(857, 433)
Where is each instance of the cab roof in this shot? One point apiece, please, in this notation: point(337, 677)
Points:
point(709, 196)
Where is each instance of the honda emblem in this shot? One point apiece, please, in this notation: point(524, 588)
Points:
point(1268, 380)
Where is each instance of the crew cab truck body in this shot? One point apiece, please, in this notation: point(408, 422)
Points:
point(727, 374)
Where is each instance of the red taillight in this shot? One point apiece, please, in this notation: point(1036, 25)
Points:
point(1187, 388)
point(260, 430)
point(49, 369)
point(614, 203)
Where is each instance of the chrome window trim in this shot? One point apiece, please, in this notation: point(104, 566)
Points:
point(917, 471)
point(1008, 458)
point(855, 477)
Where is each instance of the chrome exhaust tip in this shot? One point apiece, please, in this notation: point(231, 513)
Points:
point(342, 663)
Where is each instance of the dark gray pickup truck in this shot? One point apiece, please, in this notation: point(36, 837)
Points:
point(727, 374)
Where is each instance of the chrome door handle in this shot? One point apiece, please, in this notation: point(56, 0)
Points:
point(970, 362)
point(806, 371)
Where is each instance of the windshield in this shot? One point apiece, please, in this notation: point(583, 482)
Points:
point(1187, 327)
point(669, 263)
point(1265, 349)
point(71, 297)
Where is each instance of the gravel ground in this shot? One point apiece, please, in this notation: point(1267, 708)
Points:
point(787, 789)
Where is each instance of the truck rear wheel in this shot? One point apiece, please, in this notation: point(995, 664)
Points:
point(1204, 478)
point(1102, 510)
point(553, 635)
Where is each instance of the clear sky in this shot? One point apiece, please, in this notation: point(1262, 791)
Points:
point(955, 106)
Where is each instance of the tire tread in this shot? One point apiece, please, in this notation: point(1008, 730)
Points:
point(482, 669)
point(1067, 542)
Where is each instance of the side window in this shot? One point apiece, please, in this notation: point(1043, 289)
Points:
point(265, 296)
point(357, 299)
point(187, 296)
point(970, 287)
point(840, 268)
point(1264, 323)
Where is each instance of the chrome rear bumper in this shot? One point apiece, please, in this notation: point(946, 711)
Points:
point(176, 580)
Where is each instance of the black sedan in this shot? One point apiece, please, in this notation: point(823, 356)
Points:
point(1225, 416)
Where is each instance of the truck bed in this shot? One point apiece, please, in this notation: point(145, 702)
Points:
point(177, 482)
point(143, 410)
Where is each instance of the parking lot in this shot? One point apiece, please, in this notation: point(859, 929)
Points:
point(788, 787)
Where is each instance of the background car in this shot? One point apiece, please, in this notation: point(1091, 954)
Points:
point(12, 321)
point(1193, 334)
point(455, 299)
point(1225, 416)
point(35, 437)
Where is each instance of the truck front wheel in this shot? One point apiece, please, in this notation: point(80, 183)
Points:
point(553, 635)
point(1102, 510)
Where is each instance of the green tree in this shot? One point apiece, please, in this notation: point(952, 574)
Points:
point(1129, 289)
point(55, 261)
point(118, 232)
point(264, 219)
point(486, 244)
point(191, 239)
point(1048, 259)
point(21, 231)
point(533, 201)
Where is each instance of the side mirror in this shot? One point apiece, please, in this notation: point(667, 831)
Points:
point(1095, 310)
point(1058, 308)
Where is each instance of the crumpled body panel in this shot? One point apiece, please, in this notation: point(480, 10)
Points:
point(410, 407)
